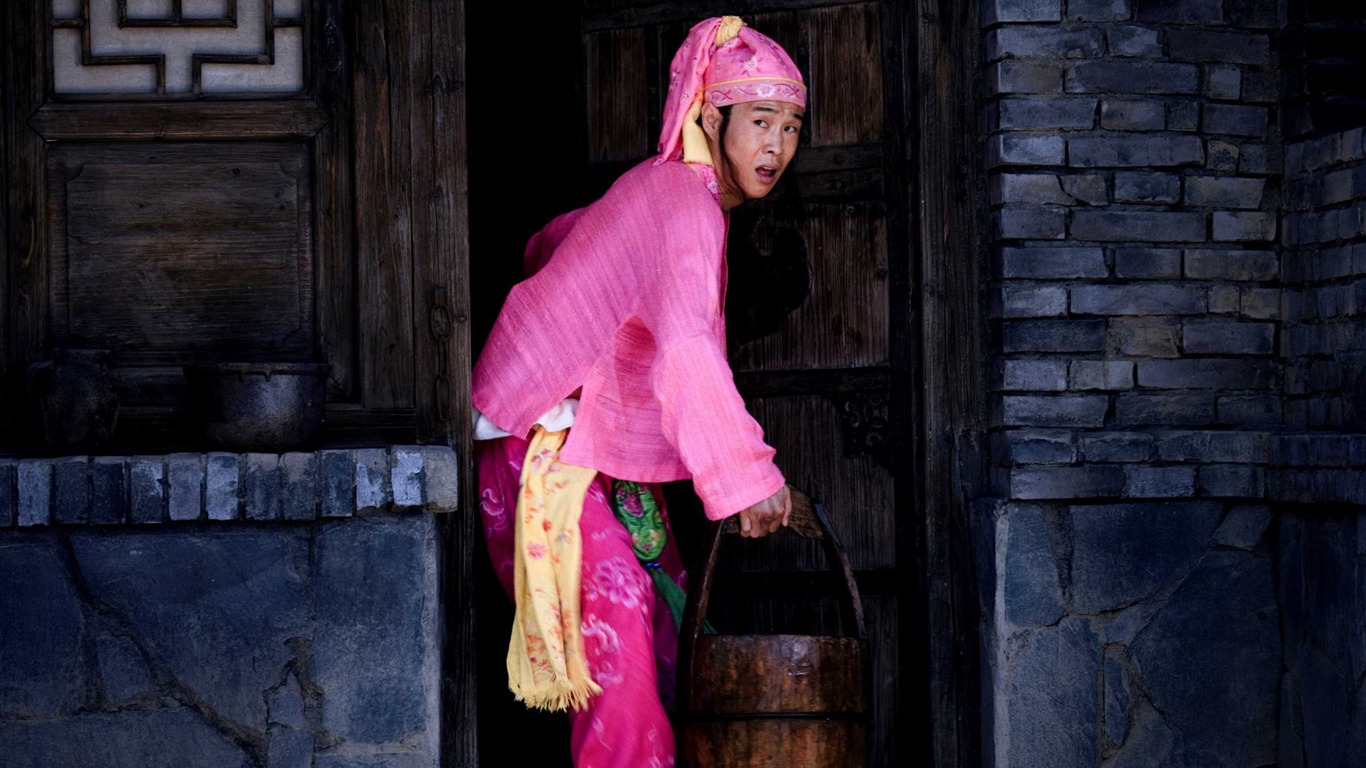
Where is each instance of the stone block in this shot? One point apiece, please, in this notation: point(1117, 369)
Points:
point(1125, 553)
point(1027, 188)
point(1183, 115)
point(1137, 299)
point(1051, 675)
point(1214, 446)
point(43, 674)
point(1211, 660)
point(1100, 374)
point(261, 485)
point(222, 486)
point(109, 490)
point(1224, 299)
point(1053, 263)
point(1218, 45)
point(1223, 81)
point(1209, 264)
point(1040, 446)
point(1035, 375)
point(185, 486)
point(290, 748)
point(1142, 409)
point(374, 491)
point(1244, 227)
point(1055, 410)
point(1133, 40)
point(1144, 336)
point(171, 736)
point(1206, 374)
point(377, 657)
point(213, 610)
point(1220, 337)
point(1143, 187)
point(9, 502)
point(147, 489)
point(1088, 188)
point(1183, 11)
point(1031, 222)
point(35, 492)
point(996, 11)
point(1044, 41)
point(1120, 76)
point(1243, 526)
point(1023, 149)
point(1145, 482)
point(1134, 150)
point(1031, 585)
point(1149, 263)
point(71, 490)
point(1053, 336)
point(1016, 76)
point(1221, 155)
point(338, 483)
point(1224, 191)
point(124, 676)
point(1137, 226)
point(1038, 112)
point(407, 477)
point(395, 759)
point(1254, 14)
point(1232, 481)
point(1086, 482)
point(285, 704)
point(299, 473)
point(1098, 10)
point(1033, 301)
point(1235, 120)
point(1116, 696)
point(1261, 303)
point(1253, 411)
point(1132, 115)
point(1117, 447)
point(442, 472)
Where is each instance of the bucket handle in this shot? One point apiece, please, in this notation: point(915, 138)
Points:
point(808, 519)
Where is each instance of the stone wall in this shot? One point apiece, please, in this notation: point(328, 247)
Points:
point(223, 610)
point(1135, 167)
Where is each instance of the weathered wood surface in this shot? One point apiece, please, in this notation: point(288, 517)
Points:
point(228, 119)
point(613, 14)
point(753, 674)
point(772, 743)
point(333, 195)
point(383, 175)
point(948, 222)
point(162, 251)
point(28, 289)
point(617, 95)
point(846, 75)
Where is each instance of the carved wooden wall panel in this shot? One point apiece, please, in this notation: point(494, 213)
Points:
point(173, 252)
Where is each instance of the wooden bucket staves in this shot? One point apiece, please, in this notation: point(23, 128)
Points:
point(796, 701)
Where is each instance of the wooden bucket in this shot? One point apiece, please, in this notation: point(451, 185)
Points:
point(796, 701)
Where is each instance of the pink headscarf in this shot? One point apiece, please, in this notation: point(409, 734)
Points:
point(725, 62)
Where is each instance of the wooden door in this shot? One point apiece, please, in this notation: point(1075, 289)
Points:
point(240, 180)
point(814, 296)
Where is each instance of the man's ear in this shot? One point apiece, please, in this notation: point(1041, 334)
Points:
point(711, 121)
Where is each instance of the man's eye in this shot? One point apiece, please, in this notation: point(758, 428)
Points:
point(761, 123)
point(790, 129)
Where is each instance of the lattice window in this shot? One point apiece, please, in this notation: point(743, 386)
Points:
point(177, 47)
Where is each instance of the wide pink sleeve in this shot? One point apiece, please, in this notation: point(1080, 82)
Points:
point(703, 415)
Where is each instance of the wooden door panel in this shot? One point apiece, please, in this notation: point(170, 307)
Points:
point(846, 74)
point(617, 95)
point(180, 252)
point(843, 323)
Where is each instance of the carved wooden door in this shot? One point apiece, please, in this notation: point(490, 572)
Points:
point(185, 186)
point(813, 298)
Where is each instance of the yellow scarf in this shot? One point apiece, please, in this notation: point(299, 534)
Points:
point(547, 668)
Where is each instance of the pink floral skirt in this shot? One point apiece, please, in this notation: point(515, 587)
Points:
point(629, 634)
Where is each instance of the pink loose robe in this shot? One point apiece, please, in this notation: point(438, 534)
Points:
point(629, 306)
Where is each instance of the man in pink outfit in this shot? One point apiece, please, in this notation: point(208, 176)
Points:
point(618, 331)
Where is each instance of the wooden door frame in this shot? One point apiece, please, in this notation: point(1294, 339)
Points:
point(933, 50)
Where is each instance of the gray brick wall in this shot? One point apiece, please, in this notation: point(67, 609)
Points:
point(1135, 185)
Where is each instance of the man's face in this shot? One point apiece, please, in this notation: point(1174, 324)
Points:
point(759, 142)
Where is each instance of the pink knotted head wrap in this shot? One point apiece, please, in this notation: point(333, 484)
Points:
point(725, 62)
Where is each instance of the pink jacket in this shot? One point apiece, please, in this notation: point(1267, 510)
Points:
point(630, 307)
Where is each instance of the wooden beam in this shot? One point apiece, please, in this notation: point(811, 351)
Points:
point(227, 119)
point(692, 11)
